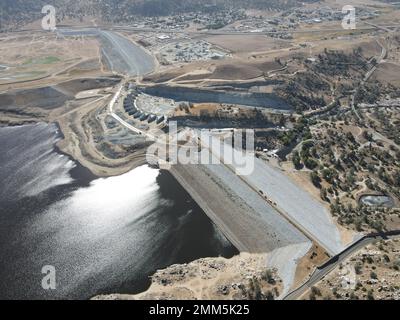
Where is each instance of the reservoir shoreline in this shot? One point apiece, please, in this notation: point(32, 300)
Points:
point(76, 228)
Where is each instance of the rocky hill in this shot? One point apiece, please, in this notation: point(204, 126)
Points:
point(19, 12)
point(243, 277)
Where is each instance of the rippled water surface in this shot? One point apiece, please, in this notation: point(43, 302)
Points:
point(101, 235)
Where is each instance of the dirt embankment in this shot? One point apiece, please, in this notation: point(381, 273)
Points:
point(51, 97)
point(84, 140)
point(79, 106)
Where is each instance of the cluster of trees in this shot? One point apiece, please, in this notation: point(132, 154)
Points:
point(296, 93)
point(254, 291)
point(307, 156)
point(307, 90)
point(314, 293)
point(300, 131)
point(388, 125)
point(338, 63)
point(369, 93)
point(338, 162)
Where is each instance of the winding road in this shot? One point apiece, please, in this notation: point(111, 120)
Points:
point(329, 266)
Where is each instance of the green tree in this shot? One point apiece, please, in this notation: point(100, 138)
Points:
point(296, 160)
point(316, 180)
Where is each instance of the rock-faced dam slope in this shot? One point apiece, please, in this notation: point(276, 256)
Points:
point(292, 202)
point(245, 218)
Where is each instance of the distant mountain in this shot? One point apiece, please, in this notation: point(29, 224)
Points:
point(18, 12)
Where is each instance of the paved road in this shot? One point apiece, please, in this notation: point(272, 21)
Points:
point(328, 267)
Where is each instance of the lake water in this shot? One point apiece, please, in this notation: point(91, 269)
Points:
point(102, 235)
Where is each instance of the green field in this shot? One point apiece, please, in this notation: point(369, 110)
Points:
point(44, 60)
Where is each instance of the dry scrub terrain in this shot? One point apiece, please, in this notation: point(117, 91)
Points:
point(372, 273)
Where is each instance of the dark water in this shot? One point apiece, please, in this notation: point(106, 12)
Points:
point(251, 99)
point(101, 235)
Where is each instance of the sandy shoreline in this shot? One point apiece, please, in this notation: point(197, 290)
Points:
point(96, 165)
point(96, 169)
